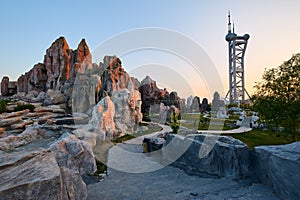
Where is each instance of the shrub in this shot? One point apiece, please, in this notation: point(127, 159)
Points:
point(24, 107)
point(3, 105)
point(175, 123)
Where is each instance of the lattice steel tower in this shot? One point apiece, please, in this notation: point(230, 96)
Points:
point(236, 48)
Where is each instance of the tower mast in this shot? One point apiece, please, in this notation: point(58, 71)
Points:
point(236, 52)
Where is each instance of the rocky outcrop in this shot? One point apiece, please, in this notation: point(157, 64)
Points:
point(8, 88)
point(37, 165)
point(58, 72)
point(151, 95)
point(208, 155)
point(74, 154)
point(114, 78)
point(80, 61)
point(103, 118)
point(54, 97)
point(119, 109)
point(37, 175)
point(57, 63)
point(84, 93)
point(278, 167)
point(4, 86)
point(128, 114)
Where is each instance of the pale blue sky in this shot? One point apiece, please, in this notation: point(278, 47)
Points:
point(29, 27)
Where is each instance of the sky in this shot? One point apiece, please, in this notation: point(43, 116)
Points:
point(29, 27)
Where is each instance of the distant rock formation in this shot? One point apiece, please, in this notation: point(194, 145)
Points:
point(8, 88)
point(152, 95)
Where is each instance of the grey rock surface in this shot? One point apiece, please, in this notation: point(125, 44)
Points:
point(36, 175)
point(278, 166)
point(74, 154)
point(209, 155)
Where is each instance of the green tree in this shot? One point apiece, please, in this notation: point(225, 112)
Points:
point(175, 123)
point(277, 97)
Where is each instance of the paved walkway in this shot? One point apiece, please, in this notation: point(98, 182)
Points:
point(227, 132)
point(167, 182)
point(139, 140)
point(134, 175)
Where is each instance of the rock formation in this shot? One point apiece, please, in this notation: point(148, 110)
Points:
point(278, 167)
point(4, 86)
point(209, 155)
point(119, 109)
point(152, 95)
point(8, 88)
point(57, 63)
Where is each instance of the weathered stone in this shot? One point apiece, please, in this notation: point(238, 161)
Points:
point(11, 142)
point(54, 97)
point(57, 63)
point(127, 110)
point(208, 155)
point(49, 109)
point(278, 166)
point(10, 121)
point(81, 60)
point(103, 117)
point(196, 105)
point(36, 175)
point(84, 93)
point(14, 114)
point(74, 154)
point(151, 95)
point(114, 77)
point(21, 125)
point(85, 135)
point(4, 86)
point(73, 186)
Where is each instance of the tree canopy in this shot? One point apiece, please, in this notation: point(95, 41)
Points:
point(277, 96)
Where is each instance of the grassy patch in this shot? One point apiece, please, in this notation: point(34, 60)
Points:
point(101, 168)
point(3, 105)
point(259, 137)
point(123, 138)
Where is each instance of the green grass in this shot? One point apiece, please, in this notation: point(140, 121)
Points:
point(101, 168)
point(259, 137)
point(123, 138)
point(3, 105)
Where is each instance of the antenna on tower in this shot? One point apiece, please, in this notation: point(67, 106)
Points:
point(232, 26)
point(229, 22)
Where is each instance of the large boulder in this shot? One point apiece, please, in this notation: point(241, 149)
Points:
point(278, 166)
point(208, 155)
point(54, 97)
point(74, 154)
point(36, 175)
point(103, 117)
point(127, 110)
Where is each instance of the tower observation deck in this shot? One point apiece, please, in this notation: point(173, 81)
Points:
point(236, 52)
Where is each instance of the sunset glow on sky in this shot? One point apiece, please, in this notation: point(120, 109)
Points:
point(29, 27)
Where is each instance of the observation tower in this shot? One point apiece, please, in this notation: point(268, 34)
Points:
point(236, 52)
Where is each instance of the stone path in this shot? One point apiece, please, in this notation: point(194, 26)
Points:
point(169, 183)
point(239, 130)
point(134, 175)
point(139, 140)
